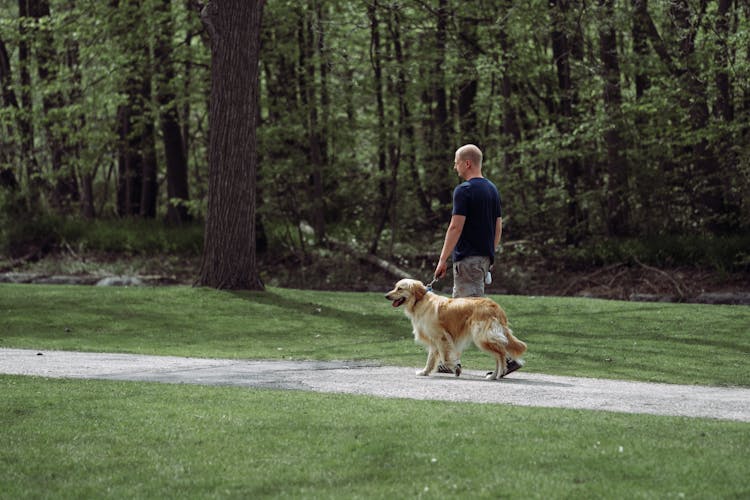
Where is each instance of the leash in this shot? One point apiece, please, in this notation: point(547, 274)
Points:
point(429, 285)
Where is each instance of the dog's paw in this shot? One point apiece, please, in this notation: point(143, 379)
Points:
point(458, 370)
point(491, 376)
point(423, 373)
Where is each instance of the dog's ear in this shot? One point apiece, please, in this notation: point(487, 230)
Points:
point(419, 291)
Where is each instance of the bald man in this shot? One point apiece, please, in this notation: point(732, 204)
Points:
point(474, 232)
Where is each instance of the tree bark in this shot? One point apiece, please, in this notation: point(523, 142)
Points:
point(137, 184)
point(25, 122)
point(469, 84)
point(570, 167)
point(440, 147)
point(640, 46)
point(7, 176)
point(229, 254)
point(694, 100)
point(617, 180)
point(174, 149)
point(724, 108)
point(405, 118)
point(65, 187)
point(381, 213)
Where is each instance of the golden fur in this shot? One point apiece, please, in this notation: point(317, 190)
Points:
point(445, 326)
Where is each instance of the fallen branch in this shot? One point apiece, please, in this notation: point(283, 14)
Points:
point(589, 277)
point(677, 286)
point(386, 266)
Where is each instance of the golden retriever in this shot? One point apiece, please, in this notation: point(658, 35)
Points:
point(445, 326)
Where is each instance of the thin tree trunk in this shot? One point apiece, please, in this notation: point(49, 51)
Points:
point(724, 107)
point(7, 176)
point(694, 99)
point(65, 187)
point(570, 167)
point(640, 46)
point(375, 60)
point(137, 182)
point(174, 149)
point(617, 180)
point(25, 122)
point(469, 85)
point(405, 118)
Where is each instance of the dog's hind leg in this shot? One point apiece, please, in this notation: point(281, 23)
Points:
point(500, 365)
point(432, 358)
point(493, 342)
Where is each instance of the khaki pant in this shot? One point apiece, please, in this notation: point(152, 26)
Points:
point(468, 276)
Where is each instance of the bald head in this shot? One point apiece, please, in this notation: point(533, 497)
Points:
point(472, 153)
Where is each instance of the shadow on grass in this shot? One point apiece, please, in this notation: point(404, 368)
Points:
point(392, 325)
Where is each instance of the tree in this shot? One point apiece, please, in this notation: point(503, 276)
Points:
point(570, 165)
point(229, 256)
point(7, 176)
point(174, 149)
point(137, 183)
point(617, 183)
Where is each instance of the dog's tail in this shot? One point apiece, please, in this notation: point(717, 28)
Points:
point(514, 346)
point(504, 335)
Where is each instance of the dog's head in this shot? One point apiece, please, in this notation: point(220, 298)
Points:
point(406, 290)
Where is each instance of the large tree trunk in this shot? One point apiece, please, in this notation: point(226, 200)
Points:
point(229, 254)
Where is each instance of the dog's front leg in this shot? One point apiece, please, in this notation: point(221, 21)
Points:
point(431, 361)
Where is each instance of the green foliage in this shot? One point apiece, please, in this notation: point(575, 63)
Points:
point(129, 236)
point(722, 253)
point(327, 156)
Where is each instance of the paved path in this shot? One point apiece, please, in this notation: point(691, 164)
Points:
point(520, 388)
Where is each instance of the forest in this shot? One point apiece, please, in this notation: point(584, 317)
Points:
point(600, 121)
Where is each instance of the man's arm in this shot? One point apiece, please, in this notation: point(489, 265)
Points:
point(498, 231)
point(452, 235)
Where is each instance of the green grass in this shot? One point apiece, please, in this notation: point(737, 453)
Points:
point(673, 343)
point(104, 439)
point(101, 439)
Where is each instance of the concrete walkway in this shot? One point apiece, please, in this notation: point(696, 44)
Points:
point(520, 388)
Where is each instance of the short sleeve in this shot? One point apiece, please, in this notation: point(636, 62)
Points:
point(461, 198)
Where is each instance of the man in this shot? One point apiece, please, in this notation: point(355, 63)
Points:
point(474, 231)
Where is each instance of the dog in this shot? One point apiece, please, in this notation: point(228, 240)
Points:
point(445, 326)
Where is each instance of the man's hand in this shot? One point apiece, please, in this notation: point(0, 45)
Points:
point(441, 269)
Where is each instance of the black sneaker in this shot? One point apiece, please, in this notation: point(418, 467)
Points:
point(511, 366)
point(444, 369)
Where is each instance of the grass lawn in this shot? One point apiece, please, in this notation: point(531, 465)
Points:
point(103, 439)
point(672, 343)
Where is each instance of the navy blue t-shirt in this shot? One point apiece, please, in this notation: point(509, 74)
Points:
point(479, 201)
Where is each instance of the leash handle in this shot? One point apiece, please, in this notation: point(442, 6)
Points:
point(429, 285)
